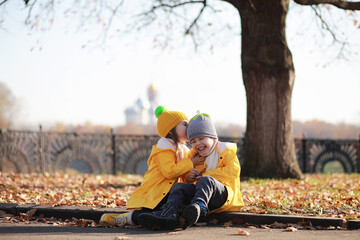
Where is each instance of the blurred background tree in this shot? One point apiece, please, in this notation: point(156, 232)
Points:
point(8, 107)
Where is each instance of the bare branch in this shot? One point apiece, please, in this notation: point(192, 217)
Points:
point(171, 6)
point(30, 10)
point(111, 19)
point(162, 5)
point(196, 19)
point(324, 24)
point(194, 42)
point(3, 2)
point(337, 3)
point(165, 5)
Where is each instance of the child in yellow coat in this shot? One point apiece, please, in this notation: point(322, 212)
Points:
point(213, 186)
point(168, 161)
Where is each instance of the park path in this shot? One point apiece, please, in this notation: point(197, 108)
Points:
point(16, 231)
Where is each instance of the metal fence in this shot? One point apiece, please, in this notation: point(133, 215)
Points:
point(30, 151)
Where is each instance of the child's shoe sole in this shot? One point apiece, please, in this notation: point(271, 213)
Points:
point(190, 215)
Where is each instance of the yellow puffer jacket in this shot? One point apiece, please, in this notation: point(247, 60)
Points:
point(228, 173)
point(164, 170)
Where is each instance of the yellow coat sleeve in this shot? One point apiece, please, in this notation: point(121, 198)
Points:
point(169, 167)
point(164, 170)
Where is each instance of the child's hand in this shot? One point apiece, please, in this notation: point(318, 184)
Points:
point(194, 175)
point(197, 159)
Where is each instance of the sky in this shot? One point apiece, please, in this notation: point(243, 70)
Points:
point(57, 77)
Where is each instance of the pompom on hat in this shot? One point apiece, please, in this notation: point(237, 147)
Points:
point(201, 126)
point(167, 120)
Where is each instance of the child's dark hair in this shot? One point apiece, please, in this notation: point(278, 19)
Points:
point(173, 136)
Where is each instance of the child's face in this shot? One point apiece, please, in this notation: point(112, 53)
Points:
point(181, 131)
point(202, 145)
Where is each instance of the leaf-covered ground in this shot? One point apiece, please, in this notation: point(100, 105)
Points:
point(336, 195)
point(67, 189)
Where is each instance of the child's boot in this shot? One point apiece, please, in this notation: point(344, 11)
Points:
point(116, 219)
point(191, 214)
point(166, 218)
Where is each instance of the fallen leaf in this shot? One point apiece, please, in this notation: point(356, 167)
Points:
point(242, 232)
point(83, 222)
point(30, 213)
point(121, 238)
point(278, 225)
point(228, 224)
point(174, 233)
point(291, 229)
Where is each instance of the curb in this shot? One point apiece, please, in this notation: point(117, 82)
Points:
point(63, 212)
point(69, 212)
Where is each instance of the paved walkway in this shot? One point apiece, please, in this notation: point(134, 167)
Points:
point(48, 232)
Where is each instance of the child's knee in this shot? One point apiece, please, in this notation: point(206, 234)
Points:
point(180, 187)
point(206, 180)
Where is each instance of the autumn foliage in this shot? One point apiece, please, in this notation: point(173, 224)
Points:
point(336, 195)
point(67, 189)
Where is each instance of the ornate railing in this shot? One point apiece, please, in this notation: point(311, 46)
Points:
point(25, 151)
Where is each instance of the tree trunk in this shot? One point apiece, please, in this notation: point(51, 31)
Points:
point(268, 74)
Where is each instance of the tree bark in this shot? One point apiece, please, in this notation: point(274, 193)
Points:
point(268, 74)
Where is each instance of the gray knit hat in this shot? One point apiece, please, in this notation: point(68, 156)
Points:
point(201, 126)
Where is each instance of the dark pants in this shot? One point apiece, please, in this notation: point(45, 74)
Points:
point(208, 190)
point(136, 213)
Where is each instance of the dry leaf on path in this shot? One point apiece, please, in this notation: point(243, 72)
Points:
point(121, 238)
point(291, 229)
point(31, 213)
point(242, 232)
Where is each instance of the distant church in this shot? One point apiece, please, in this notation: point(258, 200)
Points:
point(142, 112)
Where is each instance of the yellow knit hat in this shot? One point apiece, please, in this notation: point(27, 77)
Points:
point(167, 120)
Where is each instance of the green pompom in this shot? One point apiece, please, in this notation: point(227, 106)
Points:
point(159, 110)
